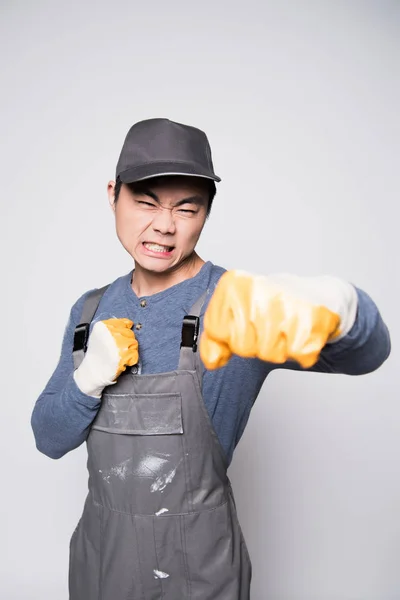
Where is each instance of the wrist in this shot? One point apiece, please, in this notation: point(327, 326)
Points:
point(86, 377)
point(337, 295)
point(343, 300)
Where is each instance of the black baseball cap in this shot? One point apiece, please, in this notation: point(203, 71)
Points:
point(156, 147)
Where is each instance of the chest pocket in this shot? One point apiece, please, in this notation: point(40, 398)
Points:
point(140, 414)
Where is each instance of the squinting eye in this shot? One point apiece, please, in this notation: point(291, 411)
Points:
point(190, 212)
point(146, 203)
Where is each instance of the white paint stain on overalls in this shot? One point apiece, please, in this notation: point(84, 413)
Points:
point(161, 482)
point(121, 471)
point(160, 574)
point(149, 466)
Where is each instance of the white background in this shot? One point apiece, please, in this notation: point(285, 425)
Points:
point(300, 101)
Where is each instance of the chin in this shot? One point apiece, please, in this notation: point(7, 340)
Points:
point(153, 265)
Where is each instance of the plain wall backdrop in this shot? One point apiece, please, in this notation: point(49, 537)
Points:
point(300, 101)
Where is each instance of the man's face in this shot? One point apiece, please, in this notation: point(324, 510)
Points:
point(159, 225)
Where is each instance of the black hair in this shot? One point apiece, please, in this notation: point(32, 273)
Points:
point(135, 187)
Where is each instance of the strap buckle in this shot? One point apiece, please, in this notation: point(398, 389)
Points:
point(190, 332)
point(81, 337)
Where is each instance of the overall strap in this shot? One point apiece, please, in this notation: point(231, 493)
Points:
point(81, 335)
point(189, 358)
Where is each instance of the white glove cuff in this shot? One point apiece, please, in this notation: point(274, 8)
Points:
point(100, 364)
point(337, 295)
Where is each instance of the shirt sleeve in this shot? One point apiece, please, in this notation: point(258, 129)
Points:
point(62, 414)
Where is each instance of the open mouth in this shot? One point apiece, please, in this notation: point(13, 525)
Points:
point(158, 248)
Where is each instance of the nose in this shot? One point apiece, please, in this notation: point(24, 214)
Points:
point(164, 222)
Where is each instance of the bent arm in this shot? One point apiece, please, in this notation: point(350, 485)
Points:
point(62, 414)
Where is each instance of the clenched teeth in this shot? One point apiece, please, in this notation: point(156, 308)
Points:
point(157, 247)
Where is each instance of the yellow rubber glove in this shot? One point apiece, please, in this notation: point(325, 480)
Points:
point(125, 341)
point(275, 318)
point(112, 347)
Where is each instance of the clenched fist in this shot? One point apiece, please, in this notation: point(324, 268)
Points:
point(112, 347)
point(275, 318)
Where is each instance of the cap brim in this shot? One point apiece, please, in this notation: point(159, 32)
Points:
point(142, 172)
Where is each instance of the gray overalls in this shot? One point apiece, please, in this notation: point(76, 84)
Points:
point(159, 521)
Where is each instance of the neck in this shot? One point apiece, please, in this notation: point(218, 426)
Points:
point(147, 283)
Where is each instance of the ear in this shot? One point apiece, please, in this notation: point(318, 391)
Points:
point(111, 194)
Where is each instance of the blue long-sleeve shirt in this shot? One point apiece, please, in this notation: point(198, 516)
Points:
point(62, 415)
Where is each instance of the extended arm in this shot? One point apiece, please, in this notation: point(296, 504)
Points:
point(311, 323)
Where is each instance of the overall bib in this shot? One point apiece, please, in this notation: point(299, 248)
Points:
point(159, 521)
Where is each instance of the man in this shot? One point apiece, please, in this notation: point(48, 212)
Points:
point(159, 371)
